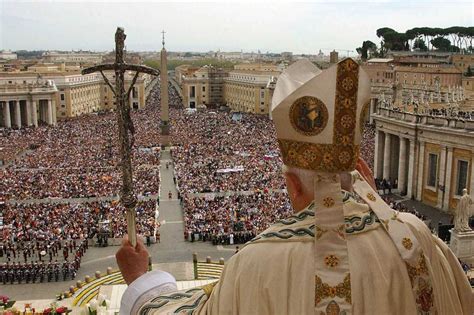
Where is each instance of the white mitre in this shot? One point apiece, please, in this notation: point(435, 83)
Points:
point(321, 112)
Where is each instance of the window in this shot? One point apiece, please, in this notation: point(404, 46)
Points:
point(62, 97)
point(432, 169)
point(461, 181)
point(204, 89)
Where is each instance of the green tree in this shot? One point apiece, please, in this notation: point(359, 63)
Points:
point(420, 44)
point(368, 50)
point(441, 43)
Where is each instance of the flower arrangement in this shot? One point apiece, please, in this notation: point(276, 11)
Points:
point(5, 302)
point(55, 310)
point(97, 307)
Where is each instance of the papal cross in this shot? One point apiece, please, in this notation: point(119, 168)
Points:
point(125, 124)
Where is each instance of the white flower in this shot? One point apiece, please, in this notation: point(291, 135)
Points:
point(93, 305)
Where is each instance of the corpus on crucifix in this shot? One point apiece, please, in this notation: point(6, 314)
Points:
point(125, 123)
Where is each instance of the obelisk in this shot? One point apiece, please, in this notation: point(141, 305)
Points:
point(165, 127)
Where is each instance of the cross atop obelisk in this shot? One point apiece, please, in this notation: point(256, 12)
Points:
point(165, 127)
point(125, 123)
point(163, 38)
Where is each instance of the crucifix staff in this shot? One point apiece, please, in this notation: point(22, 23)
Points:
point(125, 124)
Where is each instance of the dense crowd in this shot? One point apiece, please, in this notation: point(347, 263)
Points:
point(79, 157)
point(233, 219)
point(76, 159)
point(215, 152)
point(367, 146)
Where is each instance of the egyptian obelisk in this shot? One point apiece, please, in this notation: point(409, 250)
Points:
point(165, 127)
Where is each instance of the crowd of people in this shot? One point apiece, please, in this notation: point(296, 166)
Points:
point(78, 158)
point(367, 146)
point(36, 265)
point(232, 219)
point(214, 152)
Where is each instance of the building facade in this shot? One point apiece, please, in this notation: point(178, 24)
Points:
point(8, 55)
point(60, 92)
point(27, 101)
point(250, 90)
point(431, 157)
point(204, 86)
point(462, 62)
point(78, 57)
point(77, 94)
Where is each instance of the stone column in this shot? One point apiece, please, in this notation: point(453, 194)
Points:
point(472, 176)
point(447, 187)
point(402, 165)
point(17, 114)
point(386, 156)
point(442, 176)
point(378, 157)
point(421, 165)
point(371, 110)
point(49, 113)
point(54, 112)
point(6, 115)
point(34, 113)
point(411, 170)
point(28, 113)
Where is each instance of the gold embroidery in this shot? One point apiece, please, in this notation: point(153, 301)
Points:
point(319, 232)
point(407, 243)
point(208, 288)
point(324, 290)
point(371, 197)
point(395, 217)
point(421, 285)
point(419, 269)
point(328, 202)
point(326, 156)
point(308, 115)
point(332, 308)
point(331, 261)
point(341, 231)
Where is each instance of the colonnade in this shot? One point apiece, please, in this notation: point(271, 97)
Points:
point(395, 160)
point(20, 113)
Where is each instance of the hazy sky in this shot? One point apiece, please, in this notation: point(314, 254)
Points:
point(275, 26)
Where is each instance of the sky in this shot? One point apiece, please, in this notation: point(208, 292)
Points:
point(274, 26)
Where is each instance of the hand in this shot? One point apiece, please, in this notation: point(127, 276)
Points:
point(365, 171)
point(133, 262)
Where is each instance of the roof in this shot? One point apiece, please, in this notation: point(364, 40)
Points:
point(380, 60)
point(276, 73)
point(452, 70)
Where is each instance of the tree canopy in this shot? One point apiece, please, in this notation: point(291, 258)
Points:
point(454, 39)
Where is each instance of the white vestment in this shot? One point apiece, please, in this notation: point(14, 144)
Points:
point(274, 274)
